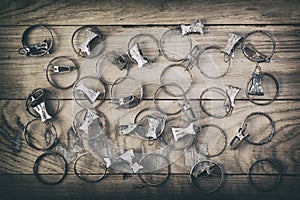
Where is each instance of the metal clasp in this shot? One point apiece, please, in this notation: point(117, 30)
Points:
point(239, 138)
point(232, 43)
point(126, 129)
point(90, 94)
point(196, 27)
point(36, 49)
point(122, 61)
point(136, 54)
point(192, 58)
point(38, 104)
point(182, 132)
point(85, 46)
point(153, 124)
point(254, 54)
point(231, 92)
point(191, 115)
point(89, 117)
point(256, 86)
point(126, 102)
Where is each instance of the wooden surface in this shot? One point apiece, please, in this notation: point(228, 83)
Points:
point(119, 21)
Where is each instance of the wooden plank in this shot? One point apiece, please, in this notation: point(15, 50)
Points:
point(284, 65)
point(284, 146)
point(148, 13)
point(115, 187)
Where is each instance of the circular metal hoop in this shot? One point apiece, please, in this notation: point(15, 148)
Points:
point(144, 35)
point(224, 137)
point(220, 91)
point(92, 105)
point(36, 166)
point(272, 131)
point(140, 174)
point(54, 84)
point(23, 50)
point(226, 61)
point(114, 55)
point(145, 110)
point(186, 69)
point(101, 176)
point(26, 135)
point(273, 164)
point(162, 87)
point(163, 51)
point(119, 80)
point(208, 173)
point(29, 101)
point(95, 29)
point(267, 102)
point(268, 57)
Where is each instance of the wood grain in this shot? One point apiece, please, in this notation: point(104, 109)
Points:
point(31, 74)
point(148, 13)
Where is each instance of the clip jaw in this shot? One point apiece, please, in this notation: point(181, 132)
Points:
point(256, 86)
point(38, 104)
point(182, 132)
point(37, 49)
point(196, 27)
point(122, 61)
point(136, 54)
point(90, 94)
point(232, 43)
point(239, 138)
point(85, 46)
point(88, 120)
point(231, 92)
point(127, 102)
point(252, 53)
point(186, 107)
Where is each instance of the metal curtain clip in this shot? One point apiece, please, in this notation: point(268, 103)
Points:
point(154, 123)
point(231, 92)
point(136, 54)
point(89, 117)
point(122, 61)
point(126, 102)
point(36, 49)
point(85, 46)
point(193, 56)
point(126, 129)
point(62, 69)
point(253, 53)
point(38, 104)
point(239, 138)
point(196, 27)
point(128, 156)
point(90, 94)
point(256, 86)
point(189, 111)
point(232, 43)
point(182, 132)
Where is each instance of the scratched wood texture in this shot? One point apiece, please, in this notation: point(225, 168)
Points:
point(119, 21)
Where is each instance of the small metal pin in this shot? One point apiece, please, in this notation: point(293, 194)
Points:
point(239, 138)
point(136, 54)
point(196, 27)
point(85, 46)
point(89, 117)
point(126, 102)
point(126, 129)
point(182, 132)
point(231, 92)
point(232, 43)
point(154, 124)
point(90, 94)
point(256, 86)
point(254, 54)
